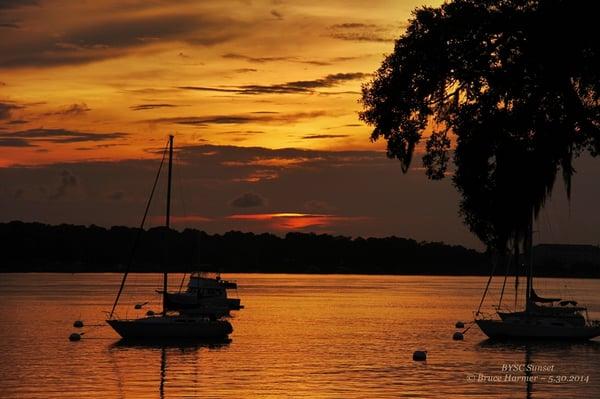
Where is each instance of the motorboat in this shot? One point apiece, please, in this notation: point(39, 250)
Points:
point(206, 293)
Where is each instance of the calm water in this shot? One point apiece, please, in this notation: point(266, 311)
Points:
point(299, 336)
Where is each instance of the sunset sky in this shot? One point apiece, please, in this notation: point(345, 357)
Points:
point(262, 97)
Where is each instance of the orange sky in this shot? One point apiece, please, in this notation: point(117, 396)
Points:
point(246, 73)
point(262, 97)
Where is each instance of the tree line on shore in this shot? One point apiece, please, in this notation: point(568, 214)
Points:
point(37, 247)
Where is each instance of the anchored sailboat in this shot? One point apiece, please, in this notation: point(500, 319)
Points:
point(167, 325)
point(542, 318)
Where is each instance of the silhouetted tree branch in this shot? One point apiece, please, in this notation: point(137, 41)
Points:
point(515, 83)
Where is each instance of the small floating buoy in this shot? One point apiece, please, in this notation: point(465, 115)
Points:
point(78, 323)
point(459, 324)
point(74, 337)
point(420, 355)
point(458, 336)
point(150, 313)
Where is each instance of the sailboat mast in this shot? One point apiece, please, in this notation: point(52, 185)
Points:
point(167, 223)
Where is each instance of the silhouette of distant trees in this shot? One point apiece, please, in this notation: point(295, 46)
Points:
point(69, 248)
point(513, 83)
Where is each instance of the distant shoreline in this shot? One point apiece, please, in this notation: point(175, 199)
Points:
point(37, 247)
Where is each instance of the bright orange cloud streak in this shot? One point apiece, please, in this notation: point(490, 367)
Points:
point(295, 221)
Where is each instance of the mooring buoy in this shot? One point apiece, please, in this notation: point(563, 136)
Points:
point(458, 336)
point(420, 355)
point(75, 337)
point(78, 323)
point(459, 324)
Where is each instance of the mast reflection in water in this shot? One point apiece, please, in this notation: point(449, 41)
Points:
point(299, 336)
point(188, 351)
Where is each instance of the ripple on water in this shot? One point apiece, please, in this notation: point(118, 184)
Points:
point(299, 336)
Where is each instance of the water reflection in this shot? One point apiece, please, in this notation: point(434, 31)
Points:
point(537, 346)
point(539, 352)
point(168, 348)
point(348, 337)
point(183, 344)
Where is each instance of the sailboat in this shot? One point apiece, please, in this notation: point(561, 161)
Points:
point(206, 294)
point(167, 325)
point(542, 318)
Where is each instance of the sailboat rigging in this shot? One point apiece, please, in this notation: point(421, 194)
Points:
point(549, 318)
point(168, 324)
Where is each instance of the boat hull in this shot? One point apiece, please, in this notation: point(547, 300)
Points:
point(499, 329)
point(171, 328)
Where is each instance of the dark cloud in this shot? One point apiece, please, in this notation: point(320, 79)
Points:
point(144, 107)
point(299, 86)
point(109, 145)
point(6, 109)
point(362, 37)
point(324, 136)
point(12, 25)
point(245, 70)
point(248, 200)
point(261, 60)
point(276, 14)
point(8, 4)
point(130, 31)
point(67, 182)
point(59, 136)
point(204, 88)
point(315, 62)
point(346, 125)
point(353, 25)
point(361, 32)
point(253, 158)
point(72, 110)
point(105, 38)
point(240, 119)
point(337, 93)
point(9, 142)
point(356, 183)
point(242, 132)
point(349, 58)
point(18, 122)
point(150, 91)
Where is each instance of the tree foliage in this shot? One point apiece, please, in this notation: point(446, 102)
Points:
point(512, 86)
point(71, 248)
